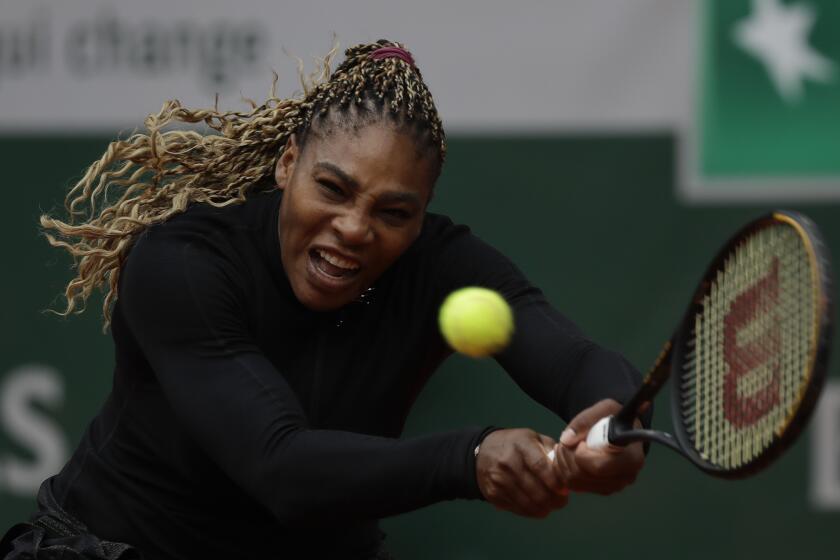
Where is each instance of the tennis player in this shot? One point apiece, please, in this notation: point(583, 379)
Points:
point(272, 290)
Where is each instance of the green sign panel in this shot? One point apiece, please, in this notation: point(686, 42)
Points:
point(767, 101)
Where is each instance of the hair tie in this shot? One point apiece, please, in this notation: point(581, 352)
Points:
point(392, 52)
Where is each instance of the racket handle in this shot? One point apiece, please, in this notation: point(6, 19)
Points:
point(598, 437)
point(599, 434)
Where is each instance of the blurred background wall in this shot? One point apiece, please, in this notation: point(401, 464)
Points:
point(607, 146)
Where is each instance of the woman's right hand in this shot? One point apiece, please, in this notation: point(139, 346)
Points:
point(515, 473)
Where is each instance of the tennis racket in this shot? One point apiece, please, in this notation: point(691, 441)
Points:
point(749, 357)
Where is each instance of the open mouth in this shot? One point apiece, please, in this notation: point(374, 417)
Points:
point(333, 266)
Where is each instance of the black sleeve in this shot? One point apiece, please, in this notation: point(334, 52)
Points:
point(185, 306)
point(548, 357)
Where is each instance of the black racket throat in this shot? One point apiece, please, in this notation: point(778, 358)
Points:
point(624, 435)
point(622, 426)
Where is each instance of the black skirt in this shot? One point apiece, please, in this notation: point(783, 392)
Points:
point(54, 534)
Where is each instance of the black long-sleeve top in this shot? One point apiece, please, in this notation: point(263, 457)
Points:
point(243, 425)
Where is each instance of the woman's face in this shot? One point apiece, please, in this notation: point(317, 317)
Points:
point(353, 202)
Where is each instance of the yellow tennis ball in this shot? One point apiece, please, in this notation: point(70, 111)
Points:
point(476, 321)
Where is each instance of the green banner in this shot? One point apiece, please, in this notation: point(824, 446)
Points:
point(768, 100)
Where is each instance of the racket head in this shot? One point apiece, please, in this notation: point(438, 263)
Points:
point(750, 355)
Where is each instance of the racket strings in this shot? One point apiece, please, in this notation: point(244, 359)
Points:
point(748, 358)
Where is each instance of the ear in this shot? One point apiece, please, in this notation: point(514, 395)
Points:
point(286, 162)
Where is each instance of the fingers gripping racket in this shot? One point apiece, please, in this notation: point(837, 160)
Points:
point(749, 357)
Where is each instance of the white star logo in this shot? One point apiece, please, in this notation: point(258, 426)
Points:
point(777, 35)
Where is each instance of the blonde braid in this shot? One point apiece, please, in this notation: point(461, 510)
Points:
point(152, 176)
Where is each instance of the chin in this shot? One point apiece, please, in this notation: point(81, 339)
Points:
point(322, 304)
point(315, 301)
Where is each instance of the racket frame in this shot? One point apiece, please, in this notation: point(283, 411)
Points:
point(669, 362)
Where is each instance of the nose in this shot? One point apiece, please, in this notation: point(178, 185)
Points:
point(353, 227)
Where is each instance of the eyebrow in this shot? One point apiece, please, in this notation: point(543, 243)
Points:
point(346, 178)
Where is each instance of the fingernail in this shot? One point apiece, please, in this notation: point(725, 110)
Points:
point(567, 437)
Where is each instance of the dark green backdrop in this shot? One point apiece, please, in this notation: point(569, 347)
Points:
point(594, 221)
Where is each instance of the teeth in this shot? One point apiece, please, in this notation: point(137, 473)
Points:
point(337, 261)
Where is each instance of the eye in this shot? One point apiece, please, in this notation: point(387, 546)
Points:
point(330, 189)
point(396, 215)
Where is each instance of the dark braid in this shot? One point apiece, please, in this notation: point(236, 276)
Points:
point(363, 90)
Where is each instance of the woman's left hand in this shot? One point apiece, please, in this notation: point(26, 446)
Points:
point(600, 471)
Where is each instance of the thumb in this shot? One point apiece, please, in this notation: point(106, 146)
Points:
point(578, 428)
point(570, 437)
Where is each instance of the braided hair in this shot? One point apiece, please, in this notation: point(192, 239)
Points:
point(151, 176)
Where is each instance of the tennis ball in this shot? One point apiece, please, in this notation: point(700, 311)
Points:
point(476, 321)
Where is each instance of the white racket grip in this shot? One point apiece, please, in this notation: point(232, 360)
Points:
point(598, 437)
